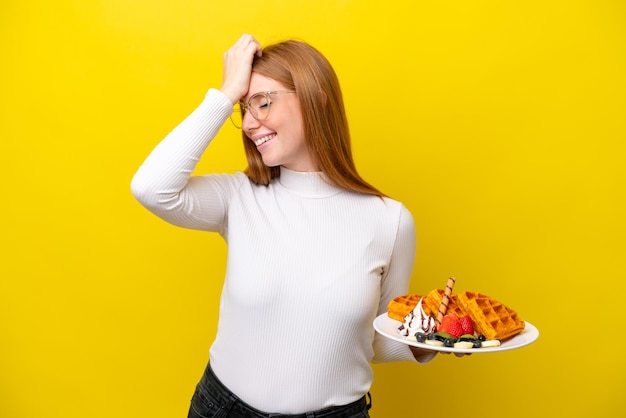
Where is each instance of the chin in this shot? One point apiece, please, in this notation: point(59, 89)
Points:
point(271, 162)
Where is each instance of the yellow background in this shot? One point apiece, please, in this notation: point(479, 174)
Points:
point(500, 124)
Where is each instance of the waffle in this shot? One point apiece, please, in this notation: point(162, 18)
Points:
point(491, 318)
point(401, 306)
point(433, 300)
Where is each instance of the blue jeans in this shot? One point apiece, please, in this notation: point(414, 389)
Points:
point(212, 400)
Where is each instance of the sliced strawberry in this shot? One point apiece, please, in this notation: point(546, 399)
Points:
point(445, 321)
point(455, 329)
point(452, 325)
point(467, 325)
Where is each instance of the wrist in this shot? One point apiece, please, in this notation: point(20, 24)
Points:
point(232, 94)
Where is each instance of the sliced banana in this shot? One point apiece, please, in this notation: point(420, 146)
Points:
point(434, 343)
point(490, 343)
point(463, 344)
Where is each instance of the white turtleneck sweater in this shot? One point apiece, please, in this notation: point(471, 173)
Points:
point(310, 266)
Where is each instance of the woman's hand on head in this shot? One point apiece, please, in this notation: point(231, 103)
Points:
point(238, 67)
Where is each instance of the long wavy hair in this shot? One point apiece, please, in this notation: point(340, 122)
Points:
point(302, 68)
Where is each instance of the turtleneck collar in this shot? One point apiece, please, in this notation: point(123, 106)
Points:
point(307, 184)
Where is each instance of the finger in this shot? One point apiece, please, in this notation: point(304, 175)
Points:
point(244, 39)
point(462, 354)
point(251, 45)
point(247, 39)
point(258, 51)
point(245, 48)
point(237, 66)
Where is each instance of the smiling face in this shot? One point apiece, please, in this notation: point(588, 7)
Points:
point(279, 138)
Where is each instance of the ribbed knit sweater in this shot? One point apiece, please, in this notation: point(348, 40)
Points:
point(309, 267)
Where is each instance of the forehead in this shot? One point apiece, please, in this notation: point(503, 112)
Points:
point(259, 83)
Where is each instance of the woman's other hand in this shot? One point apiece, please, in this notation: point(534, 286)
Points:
point(238, 67)
point(422, 355)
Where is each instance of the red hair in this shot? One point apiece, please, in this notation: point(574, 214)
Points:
point(300, 67)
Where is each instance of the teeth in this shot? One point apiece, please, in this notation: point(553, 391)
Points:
point(264, 139)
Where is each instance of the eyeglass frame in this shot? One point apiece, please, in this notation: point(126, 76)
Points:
point(245, 107)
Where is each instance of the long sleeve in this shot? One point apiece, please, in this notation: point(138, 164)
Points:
point(396, 282)
point(309, 266)
point(163, 183)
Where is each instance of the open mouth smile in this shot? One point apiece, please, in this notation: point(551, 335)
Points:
point(264, 139)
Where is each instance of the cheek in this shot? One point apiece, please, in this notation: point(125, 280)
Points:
point(297, 126)
point(296, 138)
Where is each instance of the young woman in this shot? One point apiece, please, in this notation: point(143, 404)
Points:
point(315, 252)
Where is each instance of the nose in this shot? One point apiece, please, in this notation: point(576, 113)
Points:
point(248, 123)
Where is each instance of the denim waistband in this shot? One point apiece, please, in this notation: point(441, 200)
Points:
point(230, 402)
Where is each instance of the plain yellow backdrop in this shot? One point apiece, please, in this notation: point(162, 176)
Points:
point(500, 124)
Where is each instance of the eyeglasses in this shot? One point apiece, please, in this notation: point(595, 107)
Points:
point(259, 105)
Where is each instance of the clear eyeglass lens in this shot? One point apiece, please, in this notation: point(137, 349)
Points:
point(237, 116)
point(259, 106)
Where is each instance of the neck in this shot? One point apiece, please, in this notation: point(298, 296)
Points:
point(307, 184)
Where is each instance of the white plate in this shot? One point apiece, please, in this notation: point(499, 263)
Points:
point(389, 328)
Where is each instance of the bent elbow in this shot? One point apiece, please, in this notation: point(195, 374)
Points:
point(141, 189)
